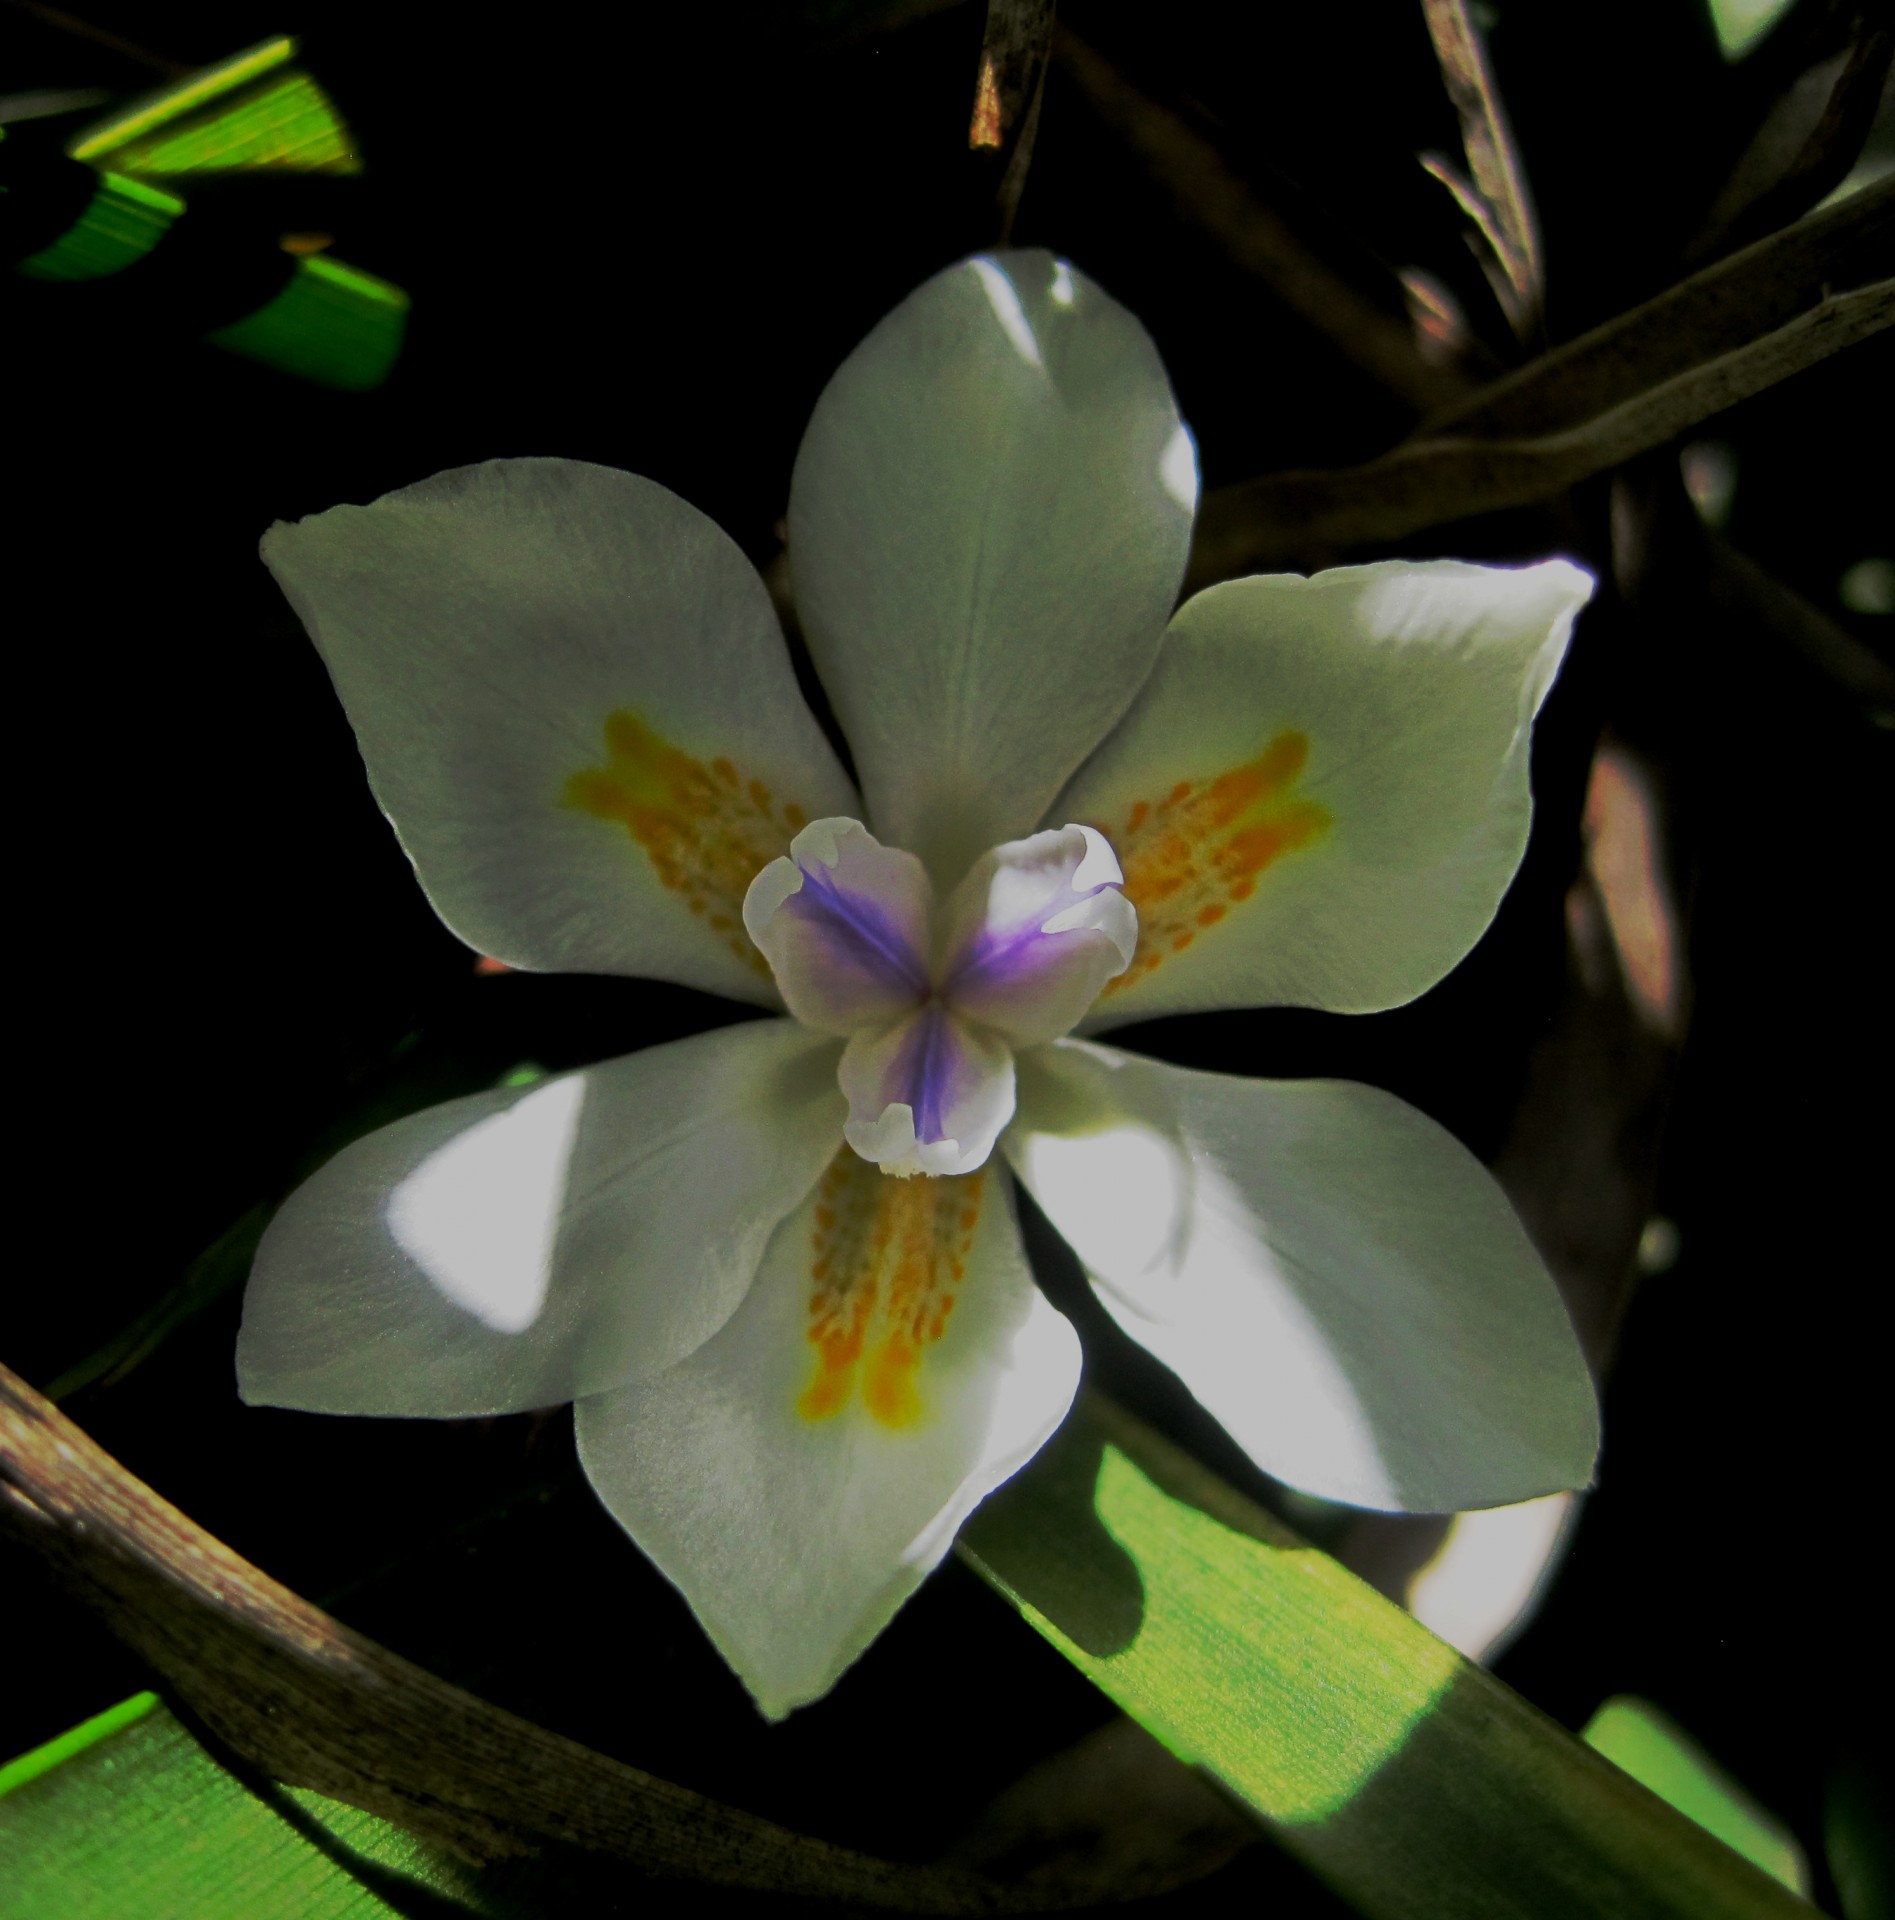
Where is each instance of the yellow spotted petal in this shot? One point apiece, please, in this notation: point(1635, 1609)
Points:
point(1321, 795)
point(886, 1263)
point(575, 706)
point(800, 1474)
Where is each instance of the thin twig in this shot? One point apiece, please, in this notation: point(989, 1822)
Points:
point(1206, 192)
point(1012, 77)
point(1496, 197)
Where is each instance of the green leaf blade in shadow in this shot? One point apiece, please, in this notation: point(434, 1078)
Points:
point(1412, 1781)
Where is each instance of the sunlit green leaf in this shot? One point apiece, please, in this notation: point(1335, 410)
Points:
point(1413, 1781)
point(251, 112)
point(1633, 1734)
point(1742, 23)
point(128, 1815)
point(332, 323)
point(123, 221)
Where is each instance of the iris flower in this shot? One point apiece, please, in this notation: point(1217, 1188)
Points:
point(777, 1266)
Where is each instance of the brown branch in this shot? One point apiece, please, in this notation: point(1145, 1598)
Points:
point(319, 1706)
point(1308, 516)
point(1724, 306)
point(1205, 192)
point(1012, 77)
point(1496, 197)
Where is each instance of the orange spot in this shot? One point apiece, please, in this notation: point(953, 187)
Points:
point(1192, 856)
point(706, 831)
point(885, 1258)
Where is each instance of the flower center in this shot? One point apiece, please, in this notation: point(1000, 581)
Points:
point(936, 996)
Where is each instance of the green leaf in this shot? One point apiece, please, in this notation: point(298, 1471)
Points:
point(332, 324)
point(256, 111)
point(1411, 1780)
point(127, 1814)
point(1742, 23)
point(1635, 1736)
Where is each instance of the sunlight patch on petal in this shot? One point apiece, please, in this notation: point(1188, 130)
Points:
point(1178, 469)
point(1335, 1278)
point(480, 1215)
point(516, 1248)
point(1010, 313)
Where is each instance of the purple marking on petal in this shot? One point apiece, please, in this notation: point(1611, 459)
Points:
point(1030, 942)
point(864, 929)
point(999, 954)
point(927, 1073)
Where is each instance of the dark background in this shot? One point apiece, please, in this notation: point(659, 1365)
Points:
point(645, 237)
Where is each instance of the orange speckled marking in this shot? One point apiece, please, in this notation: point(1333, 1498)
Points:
point(1192, 856)
point(886, 1258)
point(707, 829)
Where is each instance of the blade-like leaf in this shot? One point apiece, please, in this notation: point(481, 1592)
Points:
point(128, 1814)
point(1419, 1786)
point(1634, 1735)
point(256, 111)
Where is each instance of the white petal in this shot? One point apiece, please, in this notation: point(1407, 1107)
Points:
point(518, 1248)
point(1033, 932)
point(576, 707)
point(798, 1492)
point(986, 537)
point(1321, 796)
point(927, 1095)
point(1332, 1275)
point(845, 925)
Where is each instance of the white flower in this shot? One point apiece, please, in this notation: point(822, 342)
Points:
point(795, 1374)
